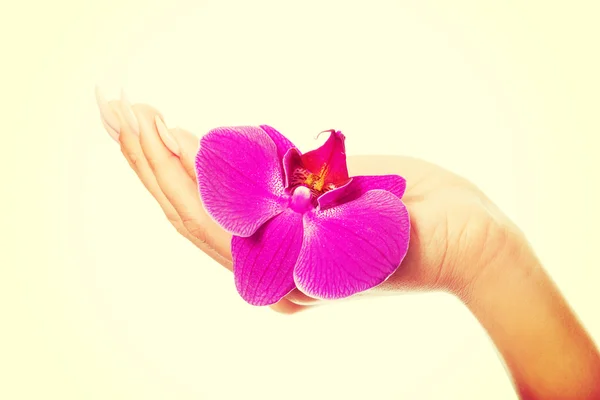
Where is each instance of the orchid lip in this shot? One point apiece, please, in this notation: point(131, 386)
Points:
point(301, 200)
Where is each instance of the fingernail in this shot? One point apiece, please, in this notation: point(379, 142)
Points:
point(166, 136)
point(128, 114)
point(107, 113)
point(113, 134)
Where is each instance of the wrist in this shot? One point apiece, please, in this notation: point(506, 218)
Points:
point(502, 281)
point(513, 265)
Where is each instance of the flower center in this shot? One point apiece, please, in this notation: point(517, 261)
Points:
point(314, 182)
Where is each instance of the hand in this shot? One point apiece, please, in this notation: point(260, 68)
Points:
point(456, 230)
point(460, 242)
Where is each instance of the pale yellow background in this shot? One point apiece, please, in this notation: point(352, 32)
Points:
point(101, 299)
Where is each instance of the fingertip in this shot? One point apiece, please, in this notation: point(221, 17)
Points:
point(286, 307)
point(141, 110)
point(184, 134)
point(113, 134)
point(166, 136)
point(128, 113)
point(188, 144)
point(126, 132)
point(299, 298)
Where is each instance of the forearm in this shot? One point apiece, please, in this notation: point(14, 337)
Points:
point(548, 352)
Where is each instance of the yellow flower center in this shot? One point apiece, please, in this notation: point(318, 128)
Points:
point(317, 181)
point(314, 182)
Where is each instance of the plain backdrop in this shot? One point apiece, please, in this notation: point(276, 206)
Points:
point(101, 299)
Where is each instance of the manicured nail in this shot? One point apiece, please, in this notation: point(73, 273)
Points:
point(113, 134)
point(166, 136)
point(128, 114)
point(107, 113)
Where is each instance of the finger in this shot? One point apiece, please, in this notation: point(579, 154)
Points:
point(285, 306)
point(109, 118)
point(185, 146)
point(177, 186)
point(113, 134)
point(131, 149)
point(299, 298)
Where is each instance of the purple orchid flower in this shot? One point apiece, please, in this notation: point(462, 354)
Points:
point(298, 220)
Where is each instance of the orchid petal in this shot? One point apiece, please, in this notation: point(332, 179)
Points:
point(352, 247)
point(263, 263)
point(332, 156)
point(282, 143)
point(240, 178)
point(359, 185)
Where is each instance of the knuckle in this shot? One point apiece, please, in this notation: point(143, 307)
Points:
point(173, 219)
point(195, 229)
point(132, 157)
point(176, 223)
point(153, 162)
point(157, 161)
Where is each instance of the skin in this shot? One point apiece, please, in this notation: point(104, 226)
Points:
point(461, 243)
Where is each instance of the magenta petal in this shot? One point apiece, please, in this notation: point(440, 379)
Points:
point(332, 156)
point(352, 247)
point(240, 178)
point(282, 143)
point(360, 185)
point(263, 263)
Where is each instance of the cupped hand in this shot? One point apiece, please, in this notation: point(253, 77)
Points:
point(456, 231)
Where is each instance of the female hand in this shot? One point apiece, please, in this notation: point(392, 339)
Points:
point(460, 242)
point(455, 230)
